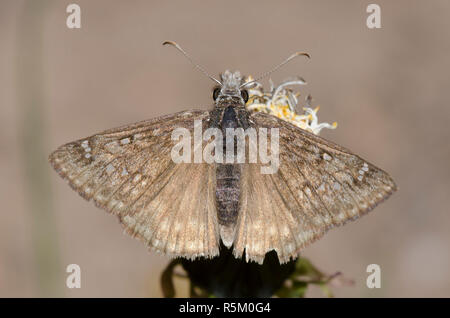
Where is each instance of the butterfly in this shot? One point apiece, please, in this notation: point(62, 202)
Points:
point(187, 209)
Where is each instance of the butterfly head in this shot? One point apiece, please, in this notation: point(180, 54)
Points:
point(230, 88)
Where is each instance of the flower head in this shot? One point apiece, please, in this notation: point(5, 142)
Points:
point(283, 103)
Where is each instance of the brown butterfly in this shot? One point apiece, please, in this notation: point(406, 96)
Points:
point(186, 209)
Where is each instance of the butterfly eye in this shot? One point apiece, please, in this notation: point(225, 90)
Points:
point(244, 94)
point(216, 93)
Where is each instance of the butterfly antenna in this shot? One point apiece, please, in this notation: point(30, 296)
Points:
point(174, 44)
point(277, 67)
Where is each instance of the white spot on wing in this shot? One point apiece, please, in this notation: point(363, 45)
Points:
point(147, 233)
point(137, 178)
point(120, 205)
point(113, 146)
point(363, 170)
point(156, 243)
point(341, 216)
point(336, 186)
point(110, 169)
point(318, 220)
point(129, 220)
point(308, 191)
point(125, 141)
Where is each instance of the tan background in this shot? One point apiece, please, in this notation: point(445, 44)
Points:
point(388, 89)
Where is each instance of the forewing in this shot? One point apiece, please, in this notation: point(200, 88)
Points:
point(129, 172)
point(318, 185)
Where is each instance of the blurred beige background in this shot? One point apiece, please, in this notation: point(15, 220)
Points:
point(387, 88)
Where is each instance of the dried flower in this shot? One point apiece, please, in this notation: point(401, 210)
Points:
point(282, 102)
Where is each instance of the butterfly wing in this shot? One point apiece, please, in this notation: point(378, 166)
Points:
point(317, 186)
point(129, 172)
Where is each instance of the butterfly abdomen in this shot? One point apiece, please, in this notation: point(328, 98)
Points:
point(227, 193)
point(228, 182)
